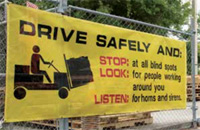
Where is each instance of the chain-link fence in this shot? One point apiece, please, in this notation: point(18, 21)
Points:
point(2, 59)
point(163, 119)
point(171, 119)
point(34, 125)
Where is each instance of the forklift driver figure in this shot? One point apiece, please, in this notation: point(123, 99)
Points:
point(35, 63)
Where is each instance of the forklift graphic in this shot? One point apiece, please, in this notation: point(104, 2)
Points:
point(78, 74)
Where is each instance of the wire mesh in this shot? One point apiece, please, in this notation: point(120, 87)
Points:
point(2, 60)
point(171, 119)
point(32, 125)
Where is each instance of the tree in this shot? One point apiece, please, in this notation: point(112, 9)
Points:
point(198, 36)
point(167, 13)
point(198, 30)
point(43, 4)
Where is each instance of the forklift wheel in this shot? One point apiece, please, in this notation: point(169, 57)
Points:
point(20, 93)
point(63, 92)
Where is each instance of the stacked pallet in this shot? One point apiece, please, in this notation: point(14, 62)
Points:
point(118, 121)
point(2, 100)
point(189, 88)
point(2, 96)
point(2, 91)
point(45, 123)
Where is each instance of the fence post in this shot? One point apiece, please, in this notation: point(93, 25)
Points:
point(194, 61)
point(62, 7)
point(194, 108)
point(194, 15)
point(63, 122)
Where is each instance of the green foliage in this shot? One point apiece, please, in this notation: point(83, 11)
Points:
point(188, 48)
point(43, 5)
point(198, 35)
point(167, 13)
point(198, 22)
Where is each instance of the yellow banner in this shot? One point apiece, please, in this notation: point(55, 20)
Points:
point(58, 66)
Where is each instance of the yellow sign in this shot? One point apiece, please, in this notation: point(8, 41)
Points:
point(58, 66)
